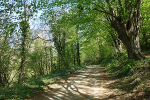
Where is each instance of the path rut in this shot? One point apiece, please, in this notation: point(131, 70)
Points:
point(90, 84)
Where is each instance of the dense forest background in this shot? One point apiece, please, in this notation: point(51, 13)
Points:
point(40, 37)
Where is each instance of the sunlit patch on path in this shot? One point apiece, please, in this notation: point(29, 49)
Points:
point(90, 84)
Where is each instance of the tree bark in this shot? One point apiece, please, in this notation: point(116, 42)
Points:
point(127, 26)
point(24, 27)
point(51, 60)
point(100, 48)
point(117, 42)
point(78, 53)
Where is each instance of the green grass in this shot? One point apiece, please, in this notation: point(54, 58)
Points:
point(33, 86)
point(118, 65)
point(132, 75)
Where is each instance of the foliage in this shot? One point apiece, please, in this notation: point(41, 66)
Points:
point(70, 32)
point(33, 86)
point(118, 64)
point(145, 32)
point(133, 76)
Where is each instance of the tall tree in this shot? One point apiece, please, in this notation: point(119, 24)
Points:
point(24, 26)
point(124, 17)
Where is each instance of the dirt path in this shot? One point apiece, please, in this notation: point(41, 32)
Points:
point(90, 84)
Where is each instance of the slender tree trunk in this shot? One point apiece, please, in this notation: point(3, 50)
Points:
point(77, 31)
point(4, 61)
point(1, 70)
point(73, 49)
point(42, 67)
point(24, 25)
point(100, 48)
point(74, 56)
point(1, 81)
point(74, 59)
point(78, 45)
point(63, 59)
point(46, 64)
point(23, 54)
point(78, 53)
point(59, 62)
point(21, 70)
point(6, 78)
point(51, 60)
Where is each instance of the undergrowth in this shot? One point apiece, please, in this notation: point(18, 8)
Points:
point(29, 88)
point(133, 76)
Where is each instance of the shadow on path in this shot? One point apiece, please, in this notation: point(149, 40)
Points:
point(91, 84)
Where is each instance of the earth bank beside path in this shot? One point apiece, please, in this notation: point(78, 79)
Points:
point(90, 84)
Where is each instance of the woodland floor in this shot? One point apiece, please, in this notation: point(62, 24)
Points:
point(91, 84)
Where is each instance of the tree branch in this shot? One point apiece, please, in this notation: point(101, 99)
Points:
point(42, 39)
point(138, 3)
point(103, 11)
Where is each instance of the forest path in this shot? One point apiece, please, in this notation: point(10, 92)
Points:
point(90, 84)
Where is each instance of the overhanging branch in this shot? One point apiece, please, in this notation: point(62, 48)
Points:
point(103, 11)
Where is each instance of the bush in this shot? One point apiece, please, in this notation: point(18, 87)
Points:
point(30, 87)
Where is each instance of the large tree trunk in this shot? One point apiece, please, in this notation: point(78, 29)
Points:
point(117, 42)
point(131, 41)
point(133, 46)
point(127, 24)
